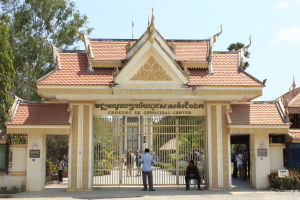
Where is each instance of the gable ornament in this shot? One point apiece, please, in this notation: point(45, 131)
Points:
point(151, 71)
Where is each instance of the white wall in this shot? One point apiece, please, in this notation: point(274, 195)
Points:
point(36, 167)
point(17, 174)
point(276, 156)
point(260, 166)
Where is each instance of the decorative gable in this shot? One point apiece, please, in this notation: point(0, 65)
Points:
point(151, 71)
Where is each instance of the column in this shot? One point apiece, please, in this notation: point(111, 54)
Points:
point(81, 149)
point(217, 146)
point(260, 166)
point(36, 167)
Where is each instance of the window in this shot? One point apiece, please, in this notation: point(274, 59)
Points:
point(4, 158)
point(293, 155)
point(276, 138)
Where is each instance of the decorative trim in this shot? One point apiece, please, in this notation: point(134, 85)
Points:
point(214, 145)
point(14, 146)
point(115, 91)
point(243, 131)
point(151, 71)
point(85, 158)
point(195, 65)
point(81, 102)
point(58, 131)
point(80, 147)
point(208, 147)
point(107, 64)
point(225, 148)
point(17, 173)
point(219, 146)
point(217, 102)
point(74, 148)
point(91, 147)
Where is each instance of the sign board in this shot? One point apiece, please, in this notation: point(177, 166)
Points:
point(150, 108)
point(262, 152)
point(261, 144)
point(34, 153)
point(283, 172)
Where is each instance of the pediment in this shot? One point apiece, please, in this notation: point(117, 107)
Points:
point(151, 71)
point(151, 65)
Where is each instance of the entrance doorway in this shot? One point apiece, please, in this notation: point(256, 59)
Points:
point(119, 142)
point(240, 143)
point(57, 148)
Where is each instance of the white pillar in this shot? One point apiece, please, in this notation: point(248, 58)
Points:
point(36, 167)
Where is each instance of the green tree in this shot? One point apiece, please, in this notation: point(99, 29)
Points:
point(57, 147)
point(238, 46)
point(7, 73)
point(31, 21)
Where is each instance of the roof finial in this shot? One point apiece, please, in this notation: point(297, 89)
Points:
point(218, 34)
point(151, 27)
point(148, 21)
point(294, 84)
point(247, 47)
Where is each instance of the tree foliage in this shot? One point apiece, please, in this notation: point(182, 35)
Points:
point(7, 73)
point(238, 46)
point(57, 147)
point(30, 21)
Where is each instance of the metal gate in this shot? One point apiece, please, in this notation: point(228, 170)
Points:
point(120, 141)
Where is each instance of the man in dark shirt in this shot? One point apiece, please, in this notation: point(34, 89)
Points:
point(192, 172)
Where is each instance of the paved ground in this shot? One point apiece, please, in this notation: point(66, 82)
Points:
point(241, 191)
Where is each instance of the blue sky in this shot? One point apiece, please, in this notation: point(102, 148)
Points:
point(273, 24)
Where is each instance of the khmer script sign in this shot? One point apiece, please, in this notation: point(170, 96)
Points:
point(150, 108)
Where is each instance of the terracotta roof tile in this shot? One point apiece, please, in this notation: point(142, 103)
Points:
point(41, 114)
point(255, 114)
point(74, 72)
point(74, 66)
point(293, 93)
point(191, 51)
point(225, 67)
point(109, 50)
point(295, 133)
point(106, 50)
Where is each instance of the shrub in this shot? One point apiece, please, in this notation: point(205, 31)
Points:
point(291, 182)
point(12, 190)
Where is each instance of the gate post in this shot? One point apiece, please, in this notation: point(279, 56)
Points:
point(81, 146)
point(217, 146)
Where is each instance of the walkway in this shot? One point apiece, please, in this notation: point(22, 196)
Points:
point(241, 190)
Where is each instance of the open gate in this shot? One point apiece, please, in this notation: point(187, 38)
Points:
point(172, 140)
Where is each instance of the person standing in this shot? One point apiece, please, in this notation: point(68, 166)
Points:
point(147, 160)
point(129, 162)
point(60, 168)
point(137, 161)
point(234, 160)
point(240, 165)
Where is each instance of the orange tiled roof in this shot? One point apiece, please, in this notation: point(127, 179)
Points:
point(114, 50)
point(295, 133)
point(74, 66)
point(291, 94)
point(225, 67)
point(296, 101)
point(74, 72)
point(41, 114)
point(255, 114)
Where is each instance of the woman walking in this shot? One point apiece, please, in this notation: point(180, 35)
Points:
point(240, 164)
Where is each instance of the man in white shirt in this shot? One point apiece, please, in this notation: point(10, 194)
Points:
point(147, 160)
